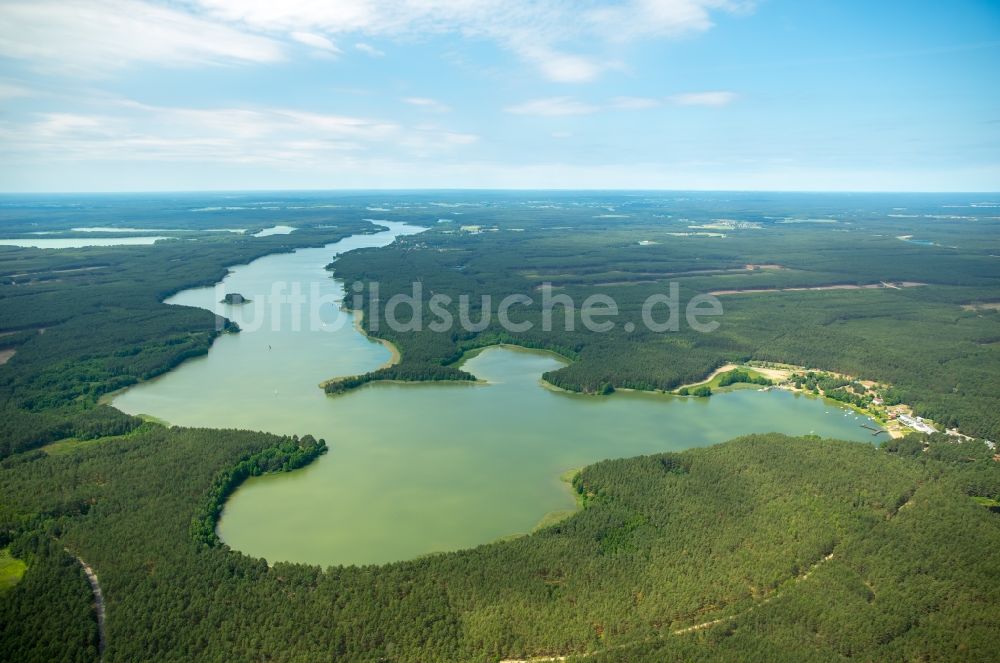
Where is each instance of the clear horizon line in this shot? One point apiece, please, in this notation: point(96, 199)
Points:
point(53, 192)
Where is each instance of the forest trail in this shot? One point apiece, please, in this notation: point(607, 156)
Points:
point(709, 624)
point(99, 608)
point(687, 629)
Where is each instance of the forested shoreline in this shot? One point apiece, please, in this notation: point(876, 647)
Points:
point(910, 549)
point(909, 552)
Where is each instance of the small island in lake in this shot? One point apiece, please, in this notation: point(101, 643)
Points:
point(235, 298)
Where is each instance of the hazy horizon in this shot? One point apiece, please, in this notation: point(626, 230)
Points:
point(846, 192)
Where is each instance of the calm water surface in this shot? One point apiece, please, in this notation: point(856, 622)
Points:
point(419, 468)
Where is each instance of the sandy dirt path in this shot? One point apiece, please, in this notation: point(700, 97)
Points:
point(99, 608)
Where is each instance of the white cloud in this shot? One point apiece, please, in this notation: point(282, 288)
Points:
point(455, 138)
point(552, 107)
point(432, 105)
point(368, 49)
point(315, 40)
point(556, 106)
point(561, 67)
point(427, 142)
point(14, 90)
point(634, 103)
point(719, 98)
point(130, 131)
point(567, 40)
point(91, 37)
point(550, 34)
point(655, 18)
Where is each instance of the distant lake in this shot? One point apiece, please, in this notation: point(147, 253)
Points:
point(921, 242)
point(274, 230)
point(109, 229)
point(79, 242)
point(420, 468)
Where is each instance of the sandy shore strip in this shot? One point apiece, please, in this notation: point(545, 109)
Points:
point(722, 369)
point(395, 356)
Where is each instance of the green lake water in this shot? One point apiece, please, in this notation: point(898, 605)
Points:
point(420, 468)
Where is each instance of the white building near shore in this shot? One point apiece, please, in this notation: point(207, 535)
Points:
point(917, 424)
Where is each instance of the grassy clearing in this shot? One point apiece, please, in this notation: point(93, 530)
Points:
point(72, 444)
point(11, 570)
point(715, 380)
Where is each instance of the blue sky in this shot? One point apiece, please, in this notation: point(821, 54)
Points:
point(133, 95)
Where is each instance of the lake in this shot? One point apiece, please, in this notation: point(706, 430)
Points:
point(418, 468)
point(80, 242)
point(275, 230)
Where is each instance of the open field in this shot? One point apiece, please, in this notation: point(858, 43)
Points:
point(11, 570)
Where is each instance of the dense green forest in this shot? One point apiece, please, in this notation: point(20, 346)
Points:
point(816, 548)
point(761, 548)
